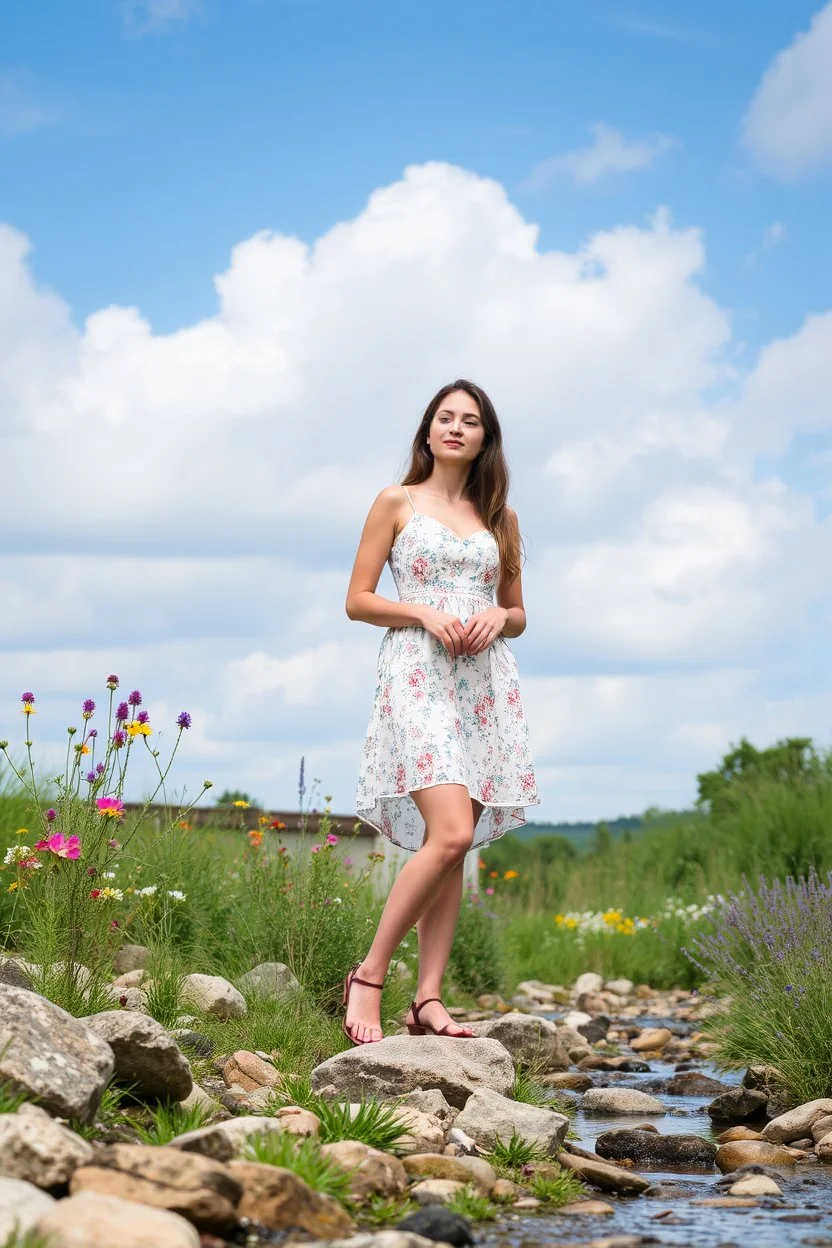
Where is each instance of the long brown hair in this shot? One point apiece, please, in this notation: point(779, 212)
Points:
point(488, 478)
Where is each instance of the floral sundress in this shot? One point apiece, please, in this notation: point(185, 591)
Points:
point(437, 719)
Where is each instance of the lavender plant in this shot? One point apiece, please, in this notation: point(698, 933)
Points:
point(66, 915)
point(768, 964)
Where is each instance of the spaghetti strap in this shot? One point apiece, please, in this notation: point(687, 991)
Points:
point(410, 500)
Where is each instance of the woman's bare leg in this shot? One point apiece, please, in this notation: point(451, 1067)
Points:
point(449, 823)
point(435, 929)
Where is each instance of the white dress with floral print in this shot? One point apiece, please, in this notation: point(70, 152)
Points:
point(437, 719)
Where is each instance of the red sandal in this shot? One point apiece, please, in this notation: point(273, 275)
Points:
point(348, 982)
point(416, 1028)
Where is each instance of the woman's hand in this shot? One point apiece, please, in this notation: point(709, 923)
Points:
point(446, 628)
point(483, 628)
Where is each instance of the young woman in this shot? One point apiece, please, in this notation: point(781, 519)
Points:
point(446, 764)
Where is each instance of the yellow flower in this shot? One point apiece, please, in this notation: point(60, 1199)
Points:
point(28, 709)
point(81, 748)
point(510, 875)
point(559, 919)
point(571, 923)
point(612, 917)
point(263, 820)
point(12, 887)
point(22, 832)
point(241, 805)
point(135, 729)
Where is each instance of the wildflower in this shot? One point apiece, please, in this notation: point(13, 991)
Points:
point(481, 865)
point(241, 805)
point(112, 682)
point(82, 748)
point(96, 892)
point(13, 887)
point(71, 731)
point(135, 698)
point(91, 777)
point(110, 807)
point(137, 729)
point(92, 734)
point(108, 875)
point(61, 846)
point(493, 875)
point(143, 717)
point(28, 700)
point(375, 856)
point(331, 838)
point(22, 832)
point(176, 894)
point(88, 708)
point(183, 823)
point(315, 849)
point(263, 820)
point(207, 784)
point(118, 739)
point(122, 712)
point(347, 862)
point(148, 891)
point(108, 894)
point(115, 923)
point(275, 823)
point(255, 838)
point(99, 769)
point(489, 892)
point(510, 875)
point(91, 872)
point(114, 845)
point(183, 720)
point(15, 855)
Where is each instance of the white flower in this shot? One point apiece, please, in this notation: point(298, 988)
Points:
point(17, 853)
point(148, 891)
point(175, 894)
point(108, 875)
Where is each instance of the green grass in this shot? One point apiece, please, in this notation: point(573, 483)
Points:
point(167, 1120)
point(470, 1204)
point(381, 1211)
point(509, 1156)
point(376, 1123)
point(109, 1113)
point(303, 1157)
point(557, 1189)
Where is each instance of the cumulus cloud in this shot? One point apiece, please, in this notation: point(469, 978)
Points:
point(788, 126)
point(608, 153)
point(185, 507)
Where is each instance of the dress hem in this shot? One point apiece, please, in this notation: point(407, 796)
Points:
point(520, 803)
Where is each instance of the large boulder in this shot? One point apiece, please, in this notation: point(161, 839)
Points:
point(645, 1148)
point(529, 1039)
point(166, 1178)
point(269, 980)
point(620, 1101)
point(397, 1064)
point(211, 994)
point(93, 1220)
point(39, 1150)
point(797, 1123)
point(279, 1199)
point(488, 1117)
point(730, 1157)
point(51, 1056)
point(21, 1204)
point(145, 1055)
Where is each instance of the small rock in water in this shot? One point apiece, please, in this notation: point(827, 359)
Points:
point(650, 1148)
point(738, 1133)
point(620, 1101)
point(731, 1156)
point(652, 1039)
point(586, 1208)
point(694, 1083)
point(738, 1105)
point(436, 1222)
point(437, 1191)
point(755, 1185)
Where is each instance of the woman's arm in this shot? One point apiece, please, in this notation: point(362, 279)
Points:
point(363, 603)
point(510, 595)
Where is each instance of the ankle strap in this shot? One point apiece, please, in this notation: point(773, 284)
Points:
point(416, 1008)
point(354, 979)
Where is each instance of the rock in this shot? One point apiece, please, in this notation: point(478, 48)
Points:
point(588, 982)
point(608, 1178)
point(372, 1172)
point(199, 1097)
point(738, 1133)
point(424, 1134)
point(211, 994)
point(400, 1064)
point(576, 1018)
point(591, 1003)
point(527, 1202)
point(430, 1101)
point(567, 1079)
point(223, 1140)
point(796, 1122)
point(436, 1191)
point(21, 1204)
point(128, 998)
point(586, 1209)
point(620, 1101)
point(755, 1185)
point(462, 1141)
point(145, 1055)
point(738, 1105)
point(51, 1056)
point(823, 1148)
point(529, 1039)
point(726, 1202)
point(279, 1198)
point(270, 980)
point(577, 1046)
point(460, 1170)
point(131, 958)
point(92, 1220)
point(650, 1148)
point(250, 1071)
point(594, 1031)
point(739, 1153)
point(693, 1083)
point(488, 1117)
point(193, 1042)
point(130, 979)
point(651, 1040)
point(760, 1078)
point(438, 1224)
point(623, 1065)
point(35, 1148)
point(821, 1127)
point(504, 1189)
point(294, 1120)
point(166, 1178)
point(621, 987)
point(13, 974)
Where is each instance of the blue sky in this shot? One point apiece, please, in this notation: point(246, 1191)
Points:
point(241, 244)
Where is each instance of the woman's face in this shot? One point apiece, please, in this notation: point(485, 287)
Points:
point(456, 432)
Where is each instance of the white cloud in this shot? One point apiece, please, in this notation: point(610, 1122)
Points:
point(608, 153)
point(184, 508)
point(788, 126)
point(143, 17)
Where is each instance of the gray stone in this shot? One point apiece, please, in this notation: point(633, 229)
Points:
point(436, 1191)
point(131, 958)
point(798, 1122)
point(531, 1040)
point(53, 1057)
point(488, 1117)
point(213, 995)
point(694, 1083)
point(21, 1204)
point(224, 1140)
point(430, 1101)
point(438, 1223)
point(39, 1150)
point(588, 982)
point(145, 1055)
point(270, 980)
point(12, 973)
point(94, 1220)
point(620, 1101)
point(399, 1064)
point(738, 1105)
point(621, 987)
point(650, 1148)
point(601, 1174)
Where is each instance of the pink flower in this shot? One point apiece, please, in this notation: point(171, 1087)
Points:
point(489, 892)
point(111, 806)
point(62, 846)
point(315, 849)
point(331, 838)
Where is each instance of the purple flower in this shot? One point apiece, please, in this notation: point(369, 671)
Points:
point(135, 698)
point(27, 697)
point(143, 717)
point(301, 785)
point(51, 815)
point(88, 707)
point(112, 682)
point(184, 720)
point(119, 738)
point(99, 769)
point(92, 734)
point(91, 777)
point(122, 712)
